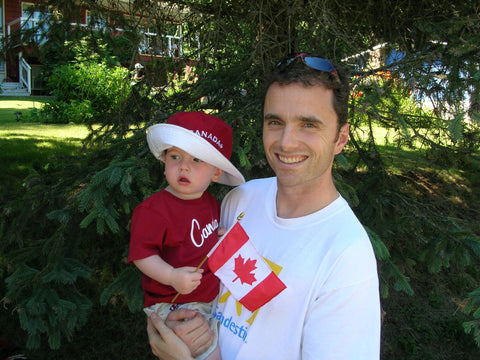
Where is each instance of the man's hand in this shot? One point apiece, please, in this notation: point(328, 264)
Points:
point(192, 328)
point(163, 341)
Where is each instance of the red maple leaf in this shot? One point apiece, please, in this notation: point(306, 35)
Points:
point(245, 270)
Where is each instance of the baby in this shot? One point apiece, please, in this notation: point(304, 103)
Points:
point(173, 230)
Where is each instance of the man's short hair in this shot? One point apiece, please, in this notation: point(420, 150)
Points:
point(296, 71)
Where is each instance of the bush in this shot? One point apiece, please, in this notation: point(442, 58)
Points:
point(83, 93)
point(60, 112)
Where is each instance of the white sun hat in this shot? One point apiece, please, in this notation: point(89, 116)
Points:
point(204, 136)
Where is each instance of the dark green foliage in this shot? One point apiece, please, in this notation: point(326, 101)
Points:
point(46, 305)
point(113, 182)
point(50, 296)
point(128, 283)
point(473, 308)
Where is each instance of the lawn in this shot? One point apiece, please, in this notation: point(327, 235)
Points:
point(11, 104)
point(23, 145)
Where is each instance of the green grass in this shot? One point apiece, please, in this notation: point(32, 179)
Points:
point(11, 104)
point(22, 145)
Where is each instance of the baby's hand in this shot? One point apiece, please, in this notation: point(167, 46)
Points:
point(221, 231)
point(185, 279)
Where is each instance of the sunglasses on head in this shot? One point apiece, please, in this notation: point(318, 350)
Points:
point(313, 62)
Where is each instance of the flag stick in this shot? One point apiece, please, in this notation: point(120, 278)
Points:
point(239, 217)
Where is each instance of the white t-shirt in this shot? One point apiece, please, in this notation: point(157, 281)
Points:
point(331, 306)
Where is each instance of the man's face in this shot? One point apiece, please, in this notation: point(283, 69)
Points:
point(300, 134)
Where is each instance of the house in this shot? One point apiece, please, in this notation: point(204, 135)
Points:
point(20, 68)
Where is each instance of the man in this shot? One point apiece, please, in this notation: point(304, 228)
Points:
point(305, 229)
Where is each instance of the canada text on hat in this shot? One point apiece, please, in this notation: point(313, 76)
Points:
point(204, 136)
point(211, 128)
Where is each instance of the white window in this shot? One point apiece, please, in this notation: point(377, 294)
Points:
point(34, 19)
point(2, 30)
point(95, 21)
point(2, 33)
point(168, 44)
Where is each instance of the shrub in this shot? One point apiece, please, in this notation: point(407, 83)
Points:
point(84, 92)
point(60, 112)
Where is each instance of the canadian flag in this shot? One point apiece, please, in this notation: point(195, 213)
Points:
point(236, 262)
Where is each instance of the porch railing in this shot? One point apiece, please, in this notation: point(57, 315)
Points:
point(25, 71)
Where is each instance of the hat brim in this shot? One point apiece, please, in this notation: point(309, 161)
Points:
point(161, 137)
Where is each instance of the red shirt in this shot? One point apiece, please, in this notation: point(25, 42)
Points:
point(181, 232)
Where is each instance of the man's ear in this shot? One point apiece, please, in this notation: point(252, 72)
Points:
point(342, 138)
point(216, 175)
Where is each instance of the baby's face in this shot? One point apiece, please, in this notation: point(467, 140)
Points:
point(188, 176)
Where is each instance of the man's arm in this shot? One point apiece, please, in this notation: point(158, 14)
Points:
point(183, 329)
